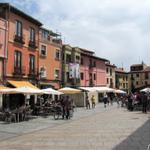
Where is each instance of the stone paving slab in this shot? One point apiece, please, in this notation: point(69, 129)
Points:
point(100, 129)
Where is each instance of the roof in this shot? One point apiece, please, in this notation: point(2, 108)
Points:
point(20, 13)
point(147, 69)
point(94, 57)
point(111, 65)
point(50, 32)
point(120, 70)
point(86, 51)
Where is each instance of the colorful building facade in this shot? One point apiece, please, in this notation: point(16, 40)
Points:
point(122, 79)
point(92, 69)
point(110, 75)
point(71, 66)
point(50, 63)
point(139, 76)
point(23, 44)
point(3, 47)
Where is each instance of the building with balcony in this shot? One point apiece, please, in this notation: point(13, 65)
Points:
point(122, 79)
point(22, 44)
point(110, 75)
point(3, 47)
point(139, 76)
point(50, 56)
point(70, 66)
point(92, 69)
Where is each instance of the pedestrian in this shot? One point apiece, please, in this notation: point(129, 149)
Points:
point(87, 102)
point(67, 107)
point(130, 102)
point(93, 101)
point(105, 99)
point(144, 103)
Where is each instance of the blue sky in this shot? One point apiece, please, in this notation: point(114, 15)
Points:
point(114, 29)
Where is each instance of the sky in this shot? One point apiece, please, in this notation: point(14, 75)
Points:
point(118, 30)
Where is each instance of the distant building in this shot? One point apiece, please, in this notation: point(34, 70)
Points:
point(50, 59)
point(139, 76)
point(122, 82)
point(92, 69)
point(71, 66)
point(110, 75)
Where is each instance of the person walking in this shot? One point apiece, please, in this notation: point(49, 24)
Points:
point(87, 102)
point(144, 103)
point(105, 99)
point(93, 101)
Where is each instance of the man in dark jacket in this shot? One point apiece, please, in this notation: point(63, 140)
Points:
point(144, 102)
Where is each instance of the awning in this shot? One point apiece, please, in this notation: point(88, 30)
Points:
point(3, 87)
point(18, 84)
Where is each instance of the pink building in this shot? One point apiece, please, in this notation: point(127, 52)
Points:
point(3, 47)
point(92, 69)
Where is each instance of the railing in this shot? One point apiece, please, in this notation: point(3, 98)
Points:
point(33, 44)
point(19, 71)
point(57, 41)
point(19, 38)
point(33, 72)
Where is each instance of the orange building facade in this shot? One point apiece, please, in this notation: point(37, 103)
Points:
point(23, 45)
point(50, 59)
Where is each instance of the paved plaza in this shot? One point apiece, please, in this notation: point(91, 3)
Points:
point(112, 128)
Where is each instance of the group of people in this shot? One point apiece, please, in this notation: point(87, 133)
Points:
point(88, 103)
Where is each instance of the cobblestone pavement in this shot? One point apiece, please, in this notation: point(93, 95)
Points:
point(100, 129)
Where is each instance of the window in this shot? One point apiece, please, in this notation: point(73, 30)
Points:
point(57, 54)
point(107, 81)
point(45, 35)
point(68, 58)
point(146, 75)
point(82, 75)
point(137, 83)
point(42, 72)
point(17, 59)
point(137, 75)
point(94, 64)
point(56, 74)
point(107, 70)
point(110, 71)
point(32, 34)
point(67, 76)
point(18, 28)
point(94, 76)
point(81, 61)
point(146, 83)
point(43, 50)
point(77, 59)
point(31, 63)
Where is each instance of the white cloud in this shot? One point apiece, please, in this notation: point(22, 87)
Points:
point(114, 29)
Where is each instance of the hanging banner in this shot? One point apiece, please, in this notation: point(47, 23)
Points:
point(74, 71)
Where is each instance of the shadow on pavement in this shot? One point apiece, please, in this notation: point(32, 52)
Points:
point(139, 140)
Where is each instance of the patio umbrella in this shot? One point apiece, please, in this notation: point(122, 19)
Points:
point(120, 92)
point(89, 89)
point(28, 90)
point(145, 90)
point(104, 89)
point(68, 90)
point(51, 91)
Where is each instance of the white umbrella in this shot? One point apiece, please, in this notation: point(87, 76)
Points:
point(145, 90)
point(120, 92)
point(104, 89)
point(51, 91)
point(89, 89)
point(28, 90)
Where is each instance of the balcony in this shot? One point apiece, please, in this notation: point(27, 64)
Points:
point(19, 39)
point(91, 66)
point(33, 72)
point(33, 44)
point(19, 71)
point(57, 41)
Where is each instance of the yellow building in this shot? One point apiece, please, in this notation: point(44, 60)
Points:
point(139, 76)
point(110, 75)
point(122, 81)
